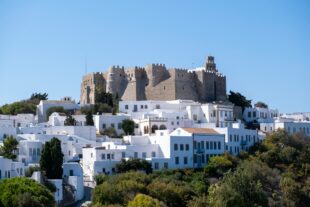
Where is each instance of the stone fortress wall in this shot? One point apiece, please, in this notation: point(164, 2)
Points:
point(156, 82)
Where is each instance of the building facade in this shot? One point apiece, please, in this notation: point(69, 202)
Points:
point(156, 82)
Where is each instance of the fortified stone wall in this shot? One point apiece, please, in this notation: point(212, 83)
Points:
point(156, 82)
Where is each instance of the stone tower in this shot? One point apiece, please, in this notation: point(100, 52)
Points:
point(156, 82)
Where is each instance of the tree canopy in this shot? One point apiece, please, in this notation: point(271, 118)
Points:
point(20, 191)
point(21, 107)
point(128, 126)
point(8, 150)
point(273, 173)
point(52, 159)
point(70, 121)
point(89, 119)
point(39, 96)
point(134, 164)
point(239, 100)
point(261, 104)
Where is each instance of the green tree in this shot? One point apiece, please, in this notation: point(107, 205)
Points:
point(111, 132)
point(239, 100)
point(128, 126)
point(218, 165)
point(70, 121)
point(174, 194)
point(201, 201)
point(19, 191)
point(21, 107)
point(133, 164)
point(142, 200)
point(52, 159)
point(261, 104)
point(39, 96)
point(8, 150)
point(89, 119)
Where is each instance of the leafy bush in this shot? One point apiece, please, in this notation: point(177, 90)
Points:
point(15, 192)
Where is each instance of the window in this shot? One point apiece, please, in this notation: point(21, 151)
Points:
point(207, 144)
point(136, 155)
point(126, 106)
point(0, 174)
point(103, 126)
point(166, 165)
point(143, 155)
point(71, 173)
point(145, 106)
point(157, 106)
point(195, 144)
point(123, 154)
point(112, 156)
point(202, 144)
point(113, 125)
point(219, 145)
point(119, 125)
point(249, 114)
point(207, 158)
point(214, 145)
point(187, 147)
point(153, 154)
point(176, 159)
point(103, 170)
point(175, 147)
point(185, 161)
point(254, 114)
point(38, 152)
point(195, 158)
point(211, 145)
point(141, 106)
point(108, 156)
point(156, 165)
point(182, 147)
point(91, 155)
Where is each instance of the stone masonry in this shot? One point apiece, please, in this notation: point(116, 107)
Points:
point(156, 82)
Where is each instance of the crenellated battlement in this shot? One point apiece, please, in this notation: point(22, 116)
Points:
point(156, 82)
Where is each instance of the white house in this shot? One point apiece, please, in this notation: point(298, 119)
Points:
point(73, 176)
point(260, 115)
point(107, 120)
point(43, 106)
point(11, 169)
point(238, 138)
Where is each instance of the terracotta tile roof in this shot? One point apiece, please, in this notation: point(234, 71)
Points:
point(200, 130)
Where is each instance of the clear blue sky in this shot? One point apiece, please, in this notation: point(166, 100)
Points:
point(261, 46)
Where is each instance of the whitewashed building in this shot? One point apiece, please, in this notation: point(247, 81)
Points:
point(11, 169)
point(42, 108)
point(260, 115)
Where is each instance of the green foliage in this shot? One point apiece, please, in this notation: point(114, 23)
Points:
point(89, 119)
point(52, 159)
point(218, 165)
point(16, 192)
point(70, 121)
point(260, 104)
point(239, 100)
point(53, 109)
point(128, 126)
point(134, 164)
point(143, 200)
point(273, 173)
point(120, 189)
point(21, 107)
point(111, 132)
point(174, 194)
point(201, 201)
point(39, 96)
point(8, 150)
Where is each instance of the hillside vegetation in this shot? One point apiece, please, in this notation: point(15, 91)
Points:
point(274, 173)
